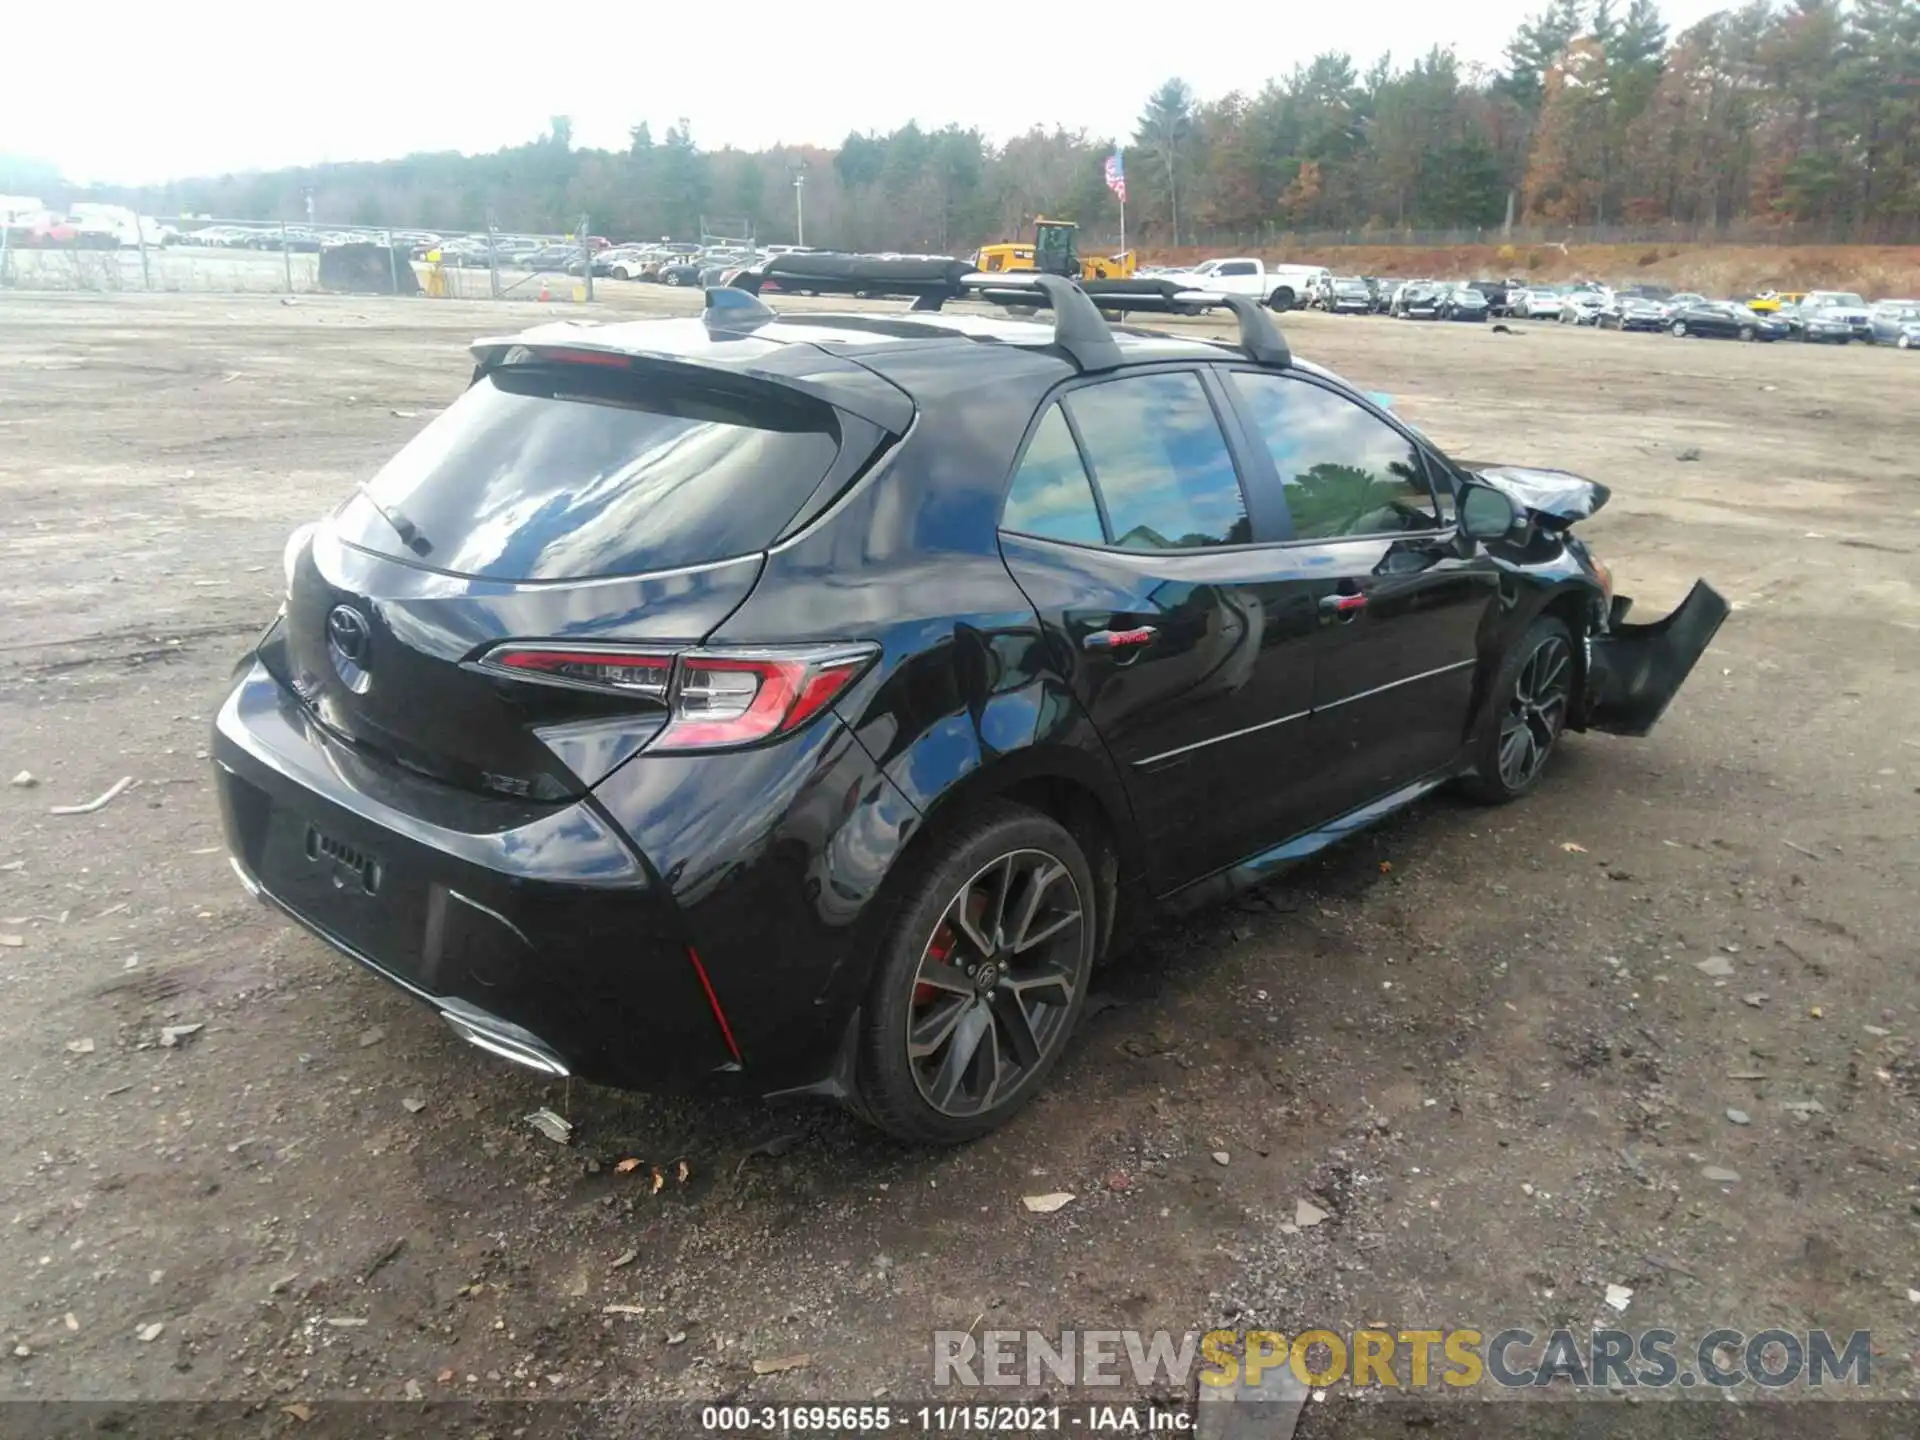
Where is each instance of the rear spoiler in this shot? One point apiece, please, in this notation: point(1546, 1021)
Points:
point(804, 368)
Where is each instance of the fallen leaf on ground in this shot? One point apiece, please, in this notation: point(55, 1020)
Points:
point(659, 1180)
point(624, 1259)
point(626, 1166)
point(1046, 1204)
point(681, 1171)
point(1573, 847)
point(298, 1411)
point(1306, 1213)
point(784, 1362)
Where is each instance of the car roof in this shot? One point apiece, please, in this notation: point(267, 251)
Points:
point(790, 347)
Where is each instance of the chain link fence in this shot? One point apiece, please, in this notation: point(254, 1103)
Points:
point(214, 256)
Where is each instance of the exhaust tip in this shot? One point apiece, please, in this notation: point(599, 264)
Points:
point(247, 882)
point(500, 1037)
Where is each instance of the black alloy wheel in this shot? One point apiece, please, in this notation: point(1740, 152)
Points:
point(1532, 695)
point(996, 982)
point(1536, 712)
point(981, 980)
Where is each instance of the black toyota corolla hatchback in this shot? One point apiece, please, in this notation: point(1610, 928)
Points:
point(805, 705)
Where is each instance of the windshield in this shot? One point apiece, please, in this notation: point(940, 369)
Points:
point(567, 471)
point(1842, 298)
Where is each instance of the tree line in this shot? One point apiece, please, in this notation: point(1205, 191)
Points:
point(1783, 114)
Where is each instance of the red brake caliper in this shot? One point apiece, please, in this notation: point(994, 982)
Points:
point(939, 950)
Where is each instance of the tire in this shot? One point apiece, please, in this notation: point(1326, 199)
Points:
point(932, 976)
point(673, 279)
point(620, 273)
point(1281, 299)
point(1905, 342)
point(1679, 329)
point(1747, 332)
point(1532, 692)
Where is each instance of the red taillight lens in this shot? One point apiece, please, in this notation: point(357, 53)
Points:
point(623, 671)
point(735, 699)
point(714, 698)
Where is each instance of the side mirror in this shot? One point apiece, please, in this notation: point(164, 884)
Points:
point(1486, 513)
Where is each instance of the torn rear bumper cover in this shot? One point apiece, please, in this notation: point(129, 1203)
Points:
point(1634, 671)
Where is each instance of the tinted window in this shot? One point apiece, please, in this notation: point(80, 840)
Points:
point(1161, 463)
point(1237, 267)
point(1346, 471)
point(1050, 496)
point(555, 472)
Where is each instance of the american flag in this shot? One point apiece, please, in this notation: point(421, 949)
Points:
point(1117, 176)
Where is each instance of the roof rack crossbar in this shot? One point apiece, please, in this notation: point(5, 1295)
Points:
point(1078, 327)
point(1260, 338)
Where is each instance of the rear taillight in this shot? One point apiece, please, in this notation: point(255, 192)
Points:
point(713, 697)
point(624, 672)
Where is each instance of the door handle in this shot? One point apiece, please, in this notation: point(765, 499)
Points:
point(1342, 607)
point(1138, 636)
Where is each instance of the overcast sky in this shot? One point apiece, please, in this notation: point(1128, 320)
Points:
point(135, 91)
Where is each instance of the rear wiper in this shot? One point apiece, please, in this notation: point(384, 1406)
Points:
point(408, 532)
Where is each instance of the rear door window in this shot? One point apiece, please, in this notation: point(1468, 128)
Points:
point(551, 471)
point(1161, 463)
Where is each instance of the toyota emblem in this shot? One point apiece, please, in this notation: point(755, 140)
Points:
point(349, 638)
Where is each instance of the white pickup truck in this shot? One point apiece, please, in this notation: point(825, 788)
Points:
point(1281, 287)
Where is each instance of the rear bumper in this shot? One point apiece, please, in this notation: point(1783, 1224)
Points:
point(539, 932)
point(1634, 671)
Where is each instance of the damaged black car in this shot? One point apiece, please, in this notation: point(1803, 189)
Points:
point(806, 705)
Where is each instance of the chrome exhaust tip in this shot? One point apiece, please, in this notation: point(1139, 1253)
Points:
point(500, 1037)
point(247, 882)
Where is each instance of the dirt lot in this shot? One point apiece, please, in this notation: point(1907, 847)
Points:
point(1482, 1042)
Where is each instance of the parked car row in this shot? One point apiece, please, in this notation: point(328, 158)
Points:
point(1816, 317)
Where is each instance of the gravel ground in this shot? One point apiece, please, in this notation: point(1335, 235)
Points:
point(1489, 1046)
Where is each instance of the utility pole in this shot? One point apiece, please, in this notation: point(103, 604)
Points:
point(800, 205)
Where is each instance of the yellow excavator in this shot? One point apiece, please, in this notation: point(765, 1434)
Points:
point(1054, 250)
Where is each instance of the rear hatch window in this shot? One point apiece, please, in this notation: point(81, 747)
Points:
point(567, 471)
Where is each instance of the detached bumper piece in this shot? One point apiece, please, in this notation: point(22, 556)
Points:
point(1635, 670)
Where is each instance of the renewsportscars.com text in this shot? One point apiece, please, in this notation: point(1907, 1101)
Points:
point(1406, 1359)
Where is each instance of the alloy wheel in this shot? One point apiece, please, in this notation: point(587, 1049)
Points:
point(1535, 712)
point(996, 983)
